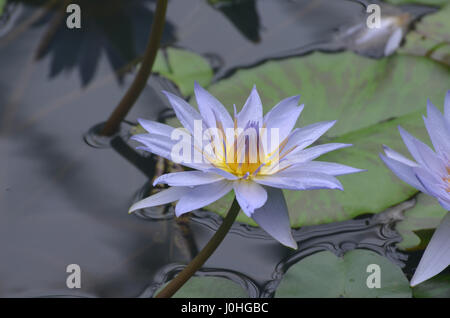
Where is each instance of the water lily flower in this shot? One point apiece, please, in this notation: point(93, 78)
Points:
point(256, 174)
point(430, 173)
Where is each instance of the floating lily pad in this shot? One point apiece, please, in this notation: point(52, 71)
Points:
point(370, 98)
point(183, 68)
point(2, 5)
point(431, 37)
point(426, 214)
point(325, 275)
point(210, 287)
point(436, 287)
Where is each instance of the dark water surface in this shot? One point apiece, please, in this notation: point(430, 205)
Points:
point(64, 193)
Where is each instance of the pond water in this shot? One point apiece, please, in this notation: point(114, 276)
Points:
point(65, 193)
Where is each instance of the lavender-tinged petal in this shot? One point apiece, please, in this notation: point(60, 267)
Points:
point(411, 142)
point(162, 146)
point(210, 106)
point(314, 152)
point(227, 175)
point(331, 168)
point(403, 172)
point(283, 116)
point(186, 114)
point(250, 195)
point(153, 127)
point(437, 254)
point(394, 42)
point(273, 217)
point(201, 196)
point(429, 158)
point(436, 127)
point(158, 145)
point(445, 203)
point(301, 138)
point(398, 157)
point(447, 110)
point(252, 110)
point(299, 180)
point(433, 184)
point(188, 178)
point(160, 198)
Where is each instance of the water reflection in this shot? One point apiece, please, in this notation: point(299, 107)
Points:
point(117, 28)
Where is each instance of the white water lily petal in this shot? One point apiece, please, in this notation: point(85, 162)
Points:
point(403, 172)
point(283, 116)
point(250, 195)
point(331, 168)
point(201, 196)
point(186, 114)
point(437, 254)
point(273, 217)
point(188, 178)
point(251, 111)
point(300, 180)
point(154, 127)
point(210, 106)
point(398, 157)
point(160, 198)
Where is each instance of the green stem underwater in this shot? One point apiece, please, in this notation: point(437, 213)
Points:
point(204, 254)
point(112, 124)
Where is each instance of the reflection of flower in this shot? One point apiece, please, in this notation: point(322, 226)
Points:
point(257, 174)
point(118, 28)
point(431, 175)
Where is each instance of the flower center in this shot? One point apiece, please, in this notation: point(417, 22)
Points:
point(243, 151)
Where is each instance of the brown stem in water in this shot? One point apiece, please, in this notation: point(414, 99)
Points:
point(204, 254)
point(112, 124)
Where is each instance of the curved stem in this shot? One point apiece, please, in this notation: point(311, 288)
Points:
point(130, 97)
point(203, 256)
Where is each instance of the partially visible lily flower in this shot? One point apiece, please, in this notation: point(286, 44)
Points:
point(240, 158)
point(430, 173)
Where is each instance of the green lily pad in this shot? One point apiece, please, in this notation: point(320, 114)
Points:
point(369, 98)
point(2, 5)
point(183, 68)
point(210, 287)
point(430, 37)
point(426, 214)
point(325, 275)
point(436, 287)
